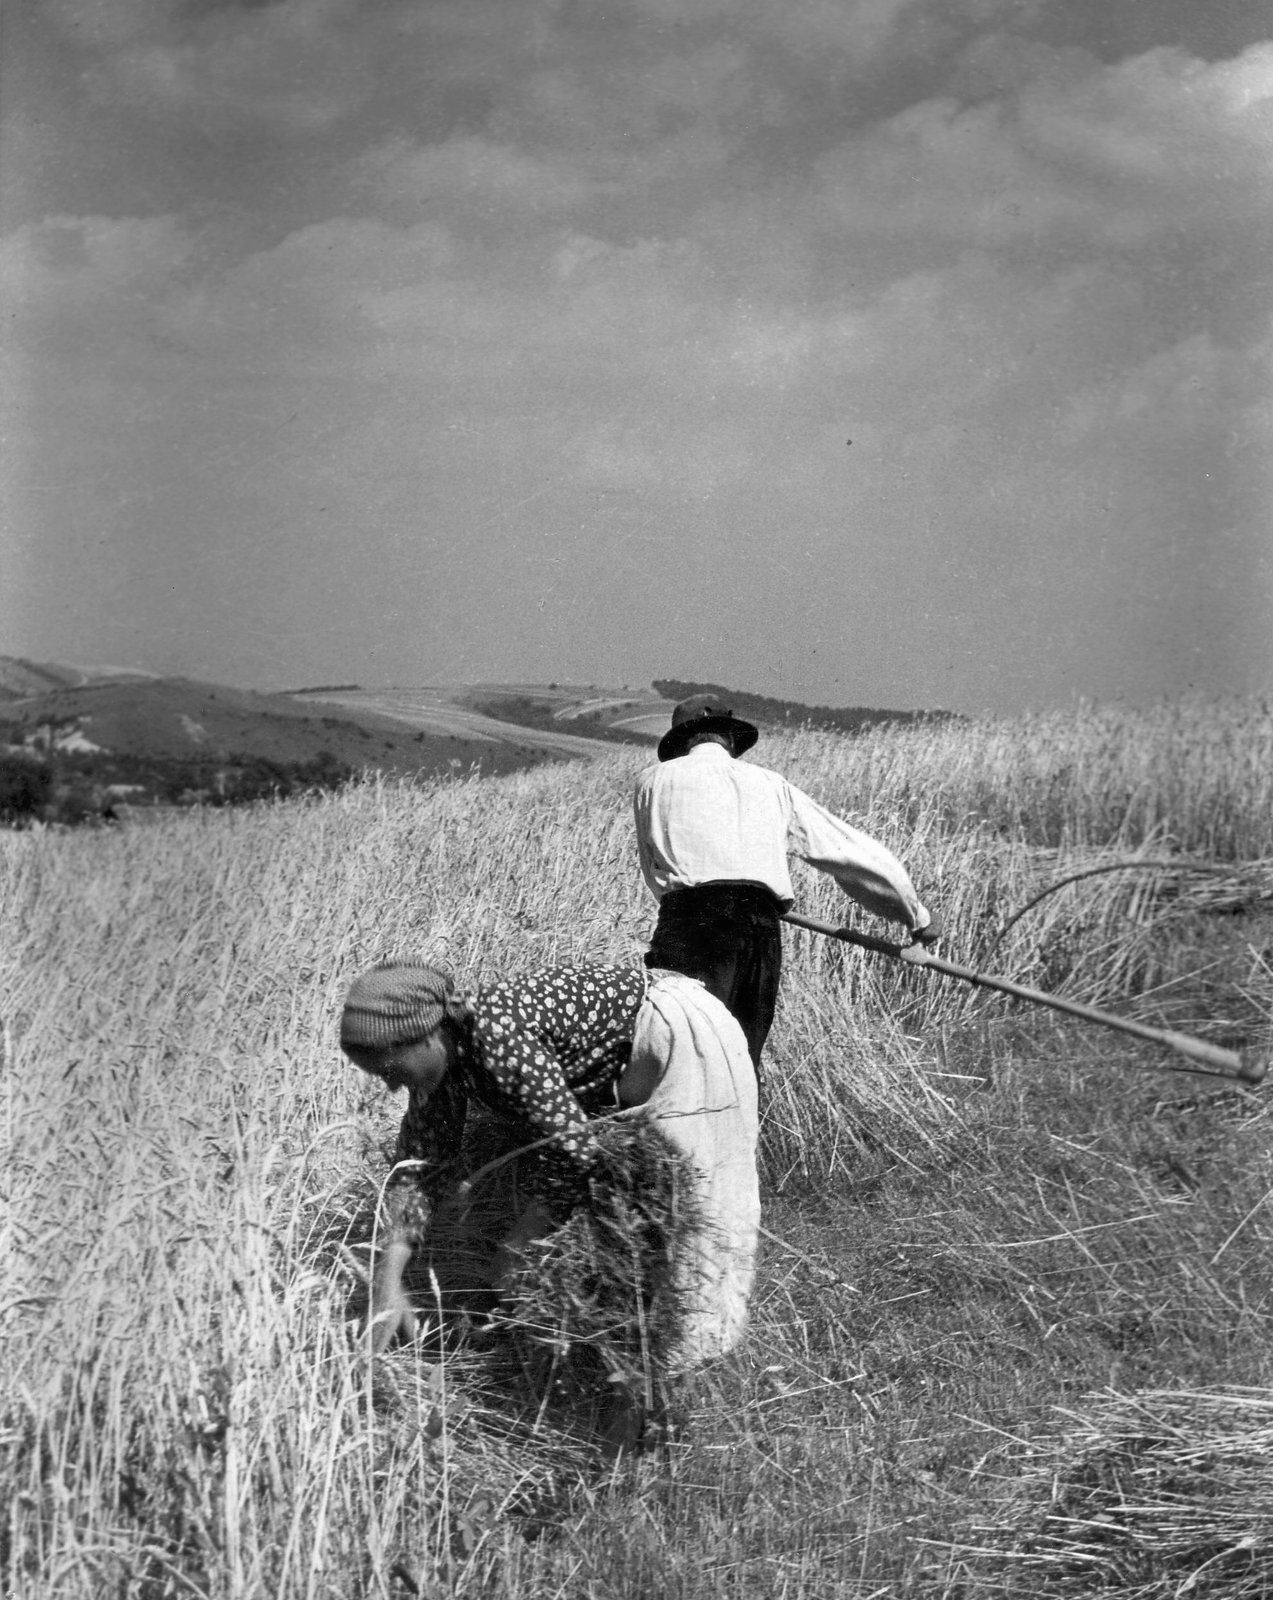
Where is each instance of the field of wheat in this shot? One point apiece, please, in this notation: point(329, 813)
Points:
point(976, 1213)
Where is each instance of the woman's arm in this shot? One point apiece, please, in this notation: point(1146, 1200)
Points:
point(428, 1144)
point(536, 1040)
point(514, 1024)
point(391, 1313)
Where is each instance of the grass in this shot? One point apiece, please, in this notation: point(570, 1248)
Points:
point(595, 1314)
point(1160, 1493)
point(981, 1223)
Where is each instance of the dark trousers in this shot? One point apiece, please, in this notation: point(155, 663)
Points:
point(727, 935)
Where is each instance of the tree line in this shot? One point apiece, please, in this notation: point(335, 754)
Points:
point(764, 709)
point(74, 788)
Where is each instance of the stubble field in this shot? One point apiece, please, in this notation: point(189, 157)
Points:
point(1011, 1329)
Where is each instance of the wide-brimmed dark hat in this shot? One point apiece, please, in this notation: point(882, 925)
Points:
point(705, 713)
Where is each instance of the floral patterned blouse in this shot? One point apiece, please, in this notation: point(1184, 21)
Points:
point(543, 1051)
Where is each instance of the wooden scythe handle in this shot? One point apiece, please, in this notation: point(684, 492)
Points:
point(1211, 1057)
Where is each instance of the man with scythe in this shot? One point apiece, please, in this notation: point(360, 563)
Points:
point(713, 835)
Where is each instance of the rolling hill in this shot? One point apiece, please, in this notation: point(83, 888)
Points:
point(76, 743)
point(765, 711)
point(556, 720)
point(51, 708)
point(105, 738)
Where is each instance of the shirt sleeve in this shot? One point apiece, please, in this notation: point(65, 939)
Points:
point(645, 849)
point(866, 870)
point(526, 1072)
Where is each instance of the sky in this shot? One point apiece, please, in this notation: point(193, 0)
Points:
point(911, 353)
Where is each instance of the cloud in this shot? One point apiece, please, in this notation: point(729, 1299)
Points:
point(1113, 158)
point(73, 283)
point(631, 70)
point(836, 37)
point(475, 175)
point(110, 24)
point(578, 293)
point(515, 242)
point(822, 29)
point(1159, 120)
point(626, 366)
point(295, 67)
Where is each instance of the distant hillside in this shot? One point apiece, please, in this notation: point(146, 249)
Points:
point(72, 745)
point(79, 742)
point(761, 709)
point(178, 718)
point(19, 678)
point(571, 717)
point(599, 720)
point(569, 720)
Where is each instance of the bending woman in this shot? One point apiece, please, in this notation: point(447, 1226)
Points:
point(544, 1051)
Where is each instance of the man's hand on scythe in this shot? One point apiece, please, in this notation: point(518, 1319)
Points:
point(923, 939)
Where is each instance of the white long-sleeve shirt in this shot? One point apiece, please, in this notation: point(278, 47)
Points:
point(709, 818)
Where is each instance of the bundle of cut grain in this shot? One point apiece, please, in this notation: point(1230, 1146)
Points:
point(1165, 1493)
point(593, 1312)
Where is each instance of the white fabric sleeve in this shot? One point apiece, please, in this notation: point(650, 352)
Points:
point(641, 816)
point(866, 870)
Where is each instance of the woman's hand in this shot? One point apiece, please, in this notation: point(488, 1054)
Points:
point(391, 1314)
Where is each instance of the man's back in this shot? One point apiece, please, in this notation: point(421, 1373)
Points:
point(713, 834)
point(707, 818)
point(710, 818)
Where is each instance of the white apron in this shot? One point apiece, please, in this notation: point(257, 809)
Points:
point(691, 1070)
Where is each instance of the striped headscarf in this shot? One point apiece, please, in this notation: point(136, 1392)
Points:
point(396, 1003)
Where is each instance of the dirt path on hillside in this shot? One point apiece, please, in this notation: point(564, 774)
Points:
point(431, 711)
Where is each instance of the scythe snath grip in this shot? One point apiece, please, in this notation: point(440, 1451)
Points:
point(1211, 1057)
